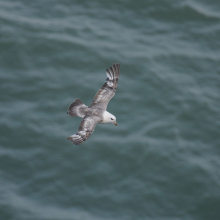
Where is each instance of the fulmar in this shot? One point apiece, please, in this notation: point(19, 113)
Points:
point(95, 113)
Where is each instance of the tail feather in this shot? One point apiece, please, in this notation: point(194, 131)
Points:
point(77, 108)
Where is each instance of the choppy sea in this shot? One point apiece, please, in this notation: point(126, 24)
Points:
point(162, 161)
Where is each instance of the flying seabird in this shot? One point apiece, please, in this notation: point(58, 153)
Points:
point(95, 113)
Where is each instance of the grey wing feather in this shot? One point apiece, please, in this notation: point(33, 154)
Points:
point(86, 128)
point(104, 95)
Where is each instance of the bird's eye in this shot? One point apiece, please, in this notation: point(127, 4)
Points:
point(111, 118)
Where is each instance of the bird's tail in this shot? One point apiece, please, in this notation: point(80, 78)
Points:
point(77, 108)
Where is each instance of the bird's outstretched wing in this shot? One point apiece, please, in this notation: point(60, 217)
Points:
point(104, 95)
point(86, 128)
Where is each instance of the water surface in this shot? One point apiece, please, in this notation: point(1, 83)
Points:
point(162, 161)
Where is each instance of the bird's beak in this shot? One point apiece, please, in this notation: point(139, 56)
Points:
point(115, 123)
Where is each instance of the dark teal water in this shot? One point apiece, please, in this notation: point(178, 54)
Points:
point(163, 159)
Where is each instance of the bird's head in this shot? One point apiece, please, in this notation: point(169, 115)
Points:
point(109, 118)
point(113, 120)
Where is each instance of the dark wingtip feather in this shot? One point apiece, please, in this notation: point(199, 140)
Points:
point(114, 69)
